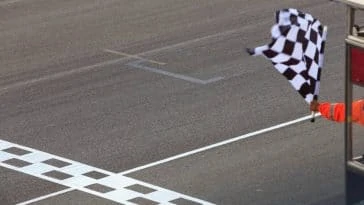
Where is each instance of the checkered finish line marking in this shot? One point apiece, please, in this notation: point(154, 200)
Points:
point(95, 181)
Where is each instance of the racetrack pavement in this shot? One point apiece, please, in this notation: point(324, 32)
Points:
point(96, 95)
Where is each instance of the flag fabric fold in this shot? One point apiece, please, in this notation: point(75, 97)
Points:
point(297, 50)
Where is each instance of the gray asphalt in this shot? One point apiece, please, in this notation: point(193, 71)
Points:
point(61, 93)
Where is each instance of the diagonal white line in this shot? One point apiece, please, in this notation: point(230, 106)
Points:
point(137, 64)
point(7, 2)
point(76, 176)
point(133, 56)
point(58, 75)
point(219, 144)
point(110, 62)
point(46, 196)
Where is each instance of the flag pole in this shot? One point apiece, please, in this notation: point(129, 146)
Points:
point(315, 99)
point(313, 109)
point(313, 117)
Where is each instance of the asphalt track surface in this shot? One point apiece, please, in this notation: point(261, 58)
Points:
point(122, 86)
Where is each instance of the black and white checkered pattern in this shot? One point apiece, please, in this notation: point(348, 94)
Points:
point(92, 180)
point(297, 50)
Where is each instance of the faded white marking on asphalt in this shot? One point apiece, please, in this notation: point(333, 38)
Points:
point(36, 165)
point(90, 67)
point(137, 64)
point(75, 175)
point(58, 75)
point(219, 144)
point(133, 56)
point(110, 62)
point(8, 2)
point(46, 196)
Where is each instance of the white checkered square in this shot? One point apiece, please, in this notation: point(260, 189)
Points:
point(281, 67)
point(298, 80)
point(36, 157)
point(163, 196)
point(292, 34)
point(281, 57)
point(77, 169)
point(118, 181)
point(279, 45)
point(37, 168)
point(5, 156)
point(79, 181)
point(311, 50)
point(4, 145)
point(297, 51)
point(122, 195)
point(314, 69)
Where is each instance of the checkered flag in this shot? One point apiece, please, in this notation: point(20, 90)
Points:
point(297, 50)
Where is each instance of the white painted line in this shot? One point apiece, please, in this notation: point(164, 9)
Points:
point(8, 2)
point(136, 64)
point(90, 67)
point(75, 175)
point(219, 144)
point(58, 75)
point(46, 196)
point(133, 56)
